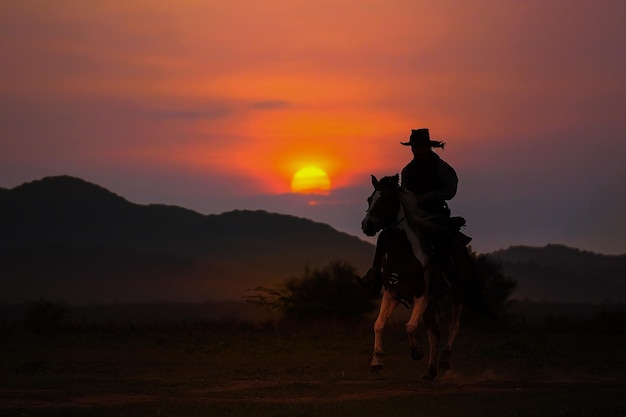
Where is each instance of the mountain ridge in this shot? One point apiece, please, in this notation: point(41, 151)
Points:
point(63, 237)
point(66, 239)
point(565, 274)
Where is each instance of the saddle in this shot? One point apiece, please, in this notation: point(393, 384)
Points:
point(440, 241)
point(458, 239)
point(444, 236)
point(434, 224)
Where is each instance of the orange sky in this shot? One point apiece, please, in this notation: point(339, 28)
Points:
point(239, 95)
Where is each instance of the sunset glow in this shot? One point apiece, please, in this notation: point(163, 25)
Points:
point(216, 105)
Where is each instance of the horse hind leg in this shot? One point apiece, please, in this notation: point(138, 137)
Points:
point(432, 329)
point(376, 365)
point(453, 331)
point(444, 362)
point(464, 268)
point(417, 353)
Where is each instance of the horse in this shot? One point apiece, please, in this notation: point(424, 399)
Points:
point(409, 270)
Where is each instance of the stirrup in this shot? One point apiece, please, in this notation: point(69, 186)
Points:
point(370, 279)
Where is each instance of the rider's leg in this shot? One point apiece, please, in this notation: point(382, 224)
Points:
point(373, 277)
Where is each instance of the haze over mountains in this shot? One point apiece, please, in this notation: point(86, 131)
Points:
point(65, 239)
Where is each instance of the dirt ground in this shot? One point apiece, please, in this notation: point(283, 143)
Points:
point(487, 395)
point(245, 372)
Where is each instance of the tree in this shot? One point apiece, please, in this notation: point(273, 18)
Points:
point(272, 301)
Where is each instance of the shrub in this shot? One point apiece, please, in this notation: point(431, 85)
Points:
point(45, 315)
point(325, 293)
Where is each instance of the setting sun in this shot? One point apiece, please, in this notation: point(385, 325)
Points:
point(310, 180)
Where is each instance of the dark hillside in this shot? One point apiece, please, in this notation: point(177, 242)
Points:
point(558, 273)
point(70, 240)
point(72, 211)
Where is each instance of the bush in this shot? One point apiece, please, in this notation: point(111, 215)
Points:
point(329, 292)
point(326, 293)
point(45, 315)
point(497, 287)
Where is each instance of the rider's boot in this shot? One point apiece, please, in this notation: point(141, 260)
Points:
point(372, 280)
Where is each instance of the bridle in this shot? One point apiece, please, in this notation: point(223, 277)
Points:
point(397, 222)
point(396, 195)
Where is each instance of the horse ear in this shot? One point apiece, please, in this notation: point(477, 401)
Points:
point(374, 181)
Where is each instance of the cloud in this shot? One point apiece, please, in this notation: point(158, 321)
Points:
point(215, 112)
point(271, 104)
point(222, 102)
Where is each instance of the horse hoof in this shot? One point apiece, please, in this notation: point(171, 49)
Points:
point(417, 353)
point(444, 362)
point(430, 374)
point(375, 369)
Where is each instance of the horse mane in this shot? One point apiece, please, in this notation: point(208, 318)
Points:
point(417, 217)
point(392, 181)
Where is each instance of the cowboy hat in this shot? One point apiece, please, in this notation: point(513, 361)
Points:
point(421, 137)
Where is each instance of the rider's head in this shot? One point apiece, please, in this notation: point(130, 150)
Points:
point(420, 151)
point(420, 142)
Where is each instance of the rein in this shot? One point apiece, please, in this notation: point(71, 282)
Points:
point(397, 222)
point(403, 218)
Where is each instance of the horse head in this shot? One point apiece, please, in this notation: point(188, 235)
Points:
point(383, 205)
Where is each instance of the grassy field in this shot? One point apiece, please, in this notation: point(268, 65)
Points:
point(233, 368)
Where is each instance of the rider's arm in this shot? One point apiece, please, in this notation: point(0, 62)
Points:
point(449, 181)
point(447, 184)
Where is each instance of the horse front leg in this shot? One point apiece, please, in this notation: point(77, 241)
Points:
point(419, 306)
point(453, 331)
point(387, 306)
point(432, 329)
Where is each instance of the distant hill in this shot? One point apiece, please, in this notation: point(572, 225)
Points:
point(66, 239)
point(558, 273)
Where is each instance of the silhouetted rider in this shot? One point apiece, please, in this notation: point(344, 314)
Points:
point(433, 182)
